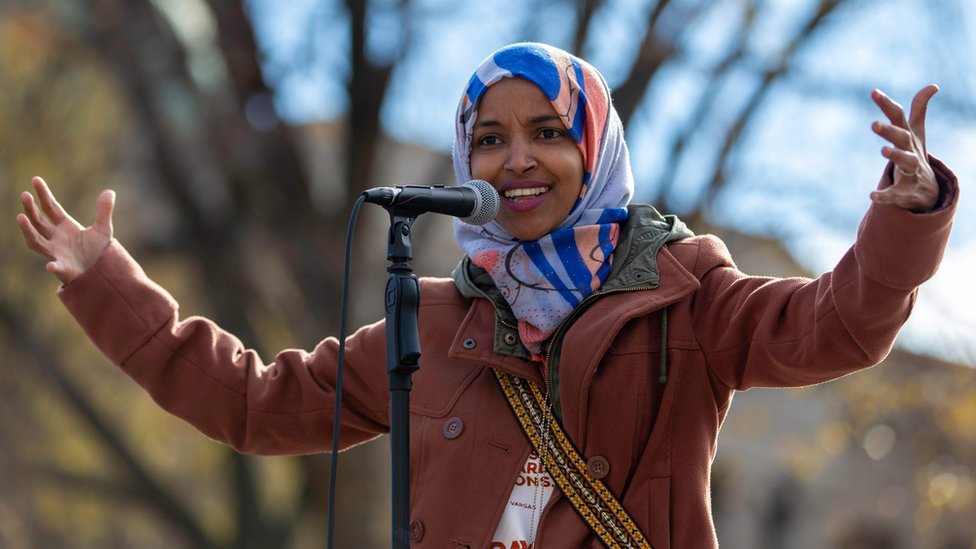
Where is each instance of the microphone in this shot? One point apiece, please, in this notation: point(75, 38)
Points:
point(475, 202)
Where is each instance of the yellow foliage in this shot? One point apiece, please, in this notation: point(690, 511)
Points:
point(960, 418)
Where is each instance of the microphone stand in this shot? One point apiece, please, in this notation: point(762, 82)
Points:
point(402, 301)
point(402, 359)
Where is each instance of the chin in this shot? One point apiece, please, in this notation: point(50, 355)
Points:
point(521, 232)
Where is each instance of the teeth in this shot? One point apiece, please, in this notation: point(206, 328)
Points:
point(518, 193)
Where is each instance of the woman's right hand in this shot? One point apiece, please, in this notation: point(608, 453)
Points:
point(56, 235)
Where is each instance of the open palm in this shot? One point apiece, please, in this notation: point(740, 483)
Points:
point(51, 232)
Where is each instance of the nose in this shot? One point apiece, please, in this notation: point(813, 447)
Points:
point(520, 158)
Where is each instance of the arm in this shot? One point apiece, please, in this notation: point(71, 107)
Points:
point(191, 367)
point(206, 376)
point(789, 332)
point(758, 331)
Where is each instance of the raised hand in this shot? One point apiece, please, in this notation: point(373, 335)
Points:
point(915, 187)
point(56, 235)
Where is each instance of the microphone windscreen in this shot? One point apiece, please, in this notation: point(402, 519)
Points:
point(488, 203)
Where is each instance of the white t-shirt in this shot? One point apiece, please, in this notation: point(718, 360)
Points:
point(518, 525)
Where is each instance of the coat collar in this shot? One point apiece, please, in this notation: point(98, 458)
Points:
point(638, 264)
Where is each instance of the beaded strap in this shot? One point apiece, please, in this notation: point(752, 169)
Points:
point(589, 496)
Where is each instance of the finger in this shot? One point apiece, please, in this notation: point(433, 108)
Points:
point(918, 198)
point(920, 105)
point(103, 212)
point(34, 240)
point(49, 204)
point(55, 268)
point(886, 196)
point(898, 137)
point(890, 108)
point(40, 223)
point(905, 161)
point(890, 195)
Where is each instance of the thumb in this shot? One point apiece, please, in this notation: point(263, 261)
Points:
point(103, 212)
point(885, 196)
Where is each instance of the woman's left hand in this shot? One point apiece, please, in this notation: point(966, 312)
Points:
point(915, 187)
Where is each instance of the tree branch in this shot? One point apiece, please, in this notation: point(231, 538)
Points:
point(768, 78)
point(147, 488)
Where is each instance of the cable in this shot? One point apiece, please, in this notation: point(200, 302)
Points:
point(334, 465)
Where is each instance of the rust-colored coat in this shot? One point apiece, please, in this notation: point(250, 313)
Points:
point(726, 332)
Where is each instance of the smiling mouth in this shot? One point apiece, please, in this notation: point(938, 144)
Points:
point(522, 194)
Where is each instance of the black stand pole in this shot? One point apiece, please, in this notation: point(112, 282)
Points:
point(402, 359)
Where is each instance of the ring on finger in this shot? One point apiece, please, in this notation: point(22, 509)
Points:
point(909, 174)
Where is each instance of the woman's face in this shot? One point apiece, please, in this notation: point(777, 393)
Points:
point(521, 147)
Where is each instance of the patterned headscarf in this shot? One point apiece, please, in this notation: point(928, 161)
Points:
point(544, 280)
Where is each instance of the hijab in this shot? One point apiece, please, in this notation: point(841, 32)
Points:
point(543, 280)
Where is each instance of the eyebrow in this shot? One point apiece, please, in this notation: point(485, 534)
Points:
point(533, 119)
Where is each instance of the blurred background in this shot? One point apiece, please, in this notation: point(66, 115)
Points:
point(238, 134)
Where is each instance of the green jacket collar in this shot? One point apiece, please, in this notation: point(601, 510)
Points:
point(634, 265)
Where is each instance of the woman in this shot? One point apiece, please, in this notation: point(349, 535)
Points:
point(591, 338)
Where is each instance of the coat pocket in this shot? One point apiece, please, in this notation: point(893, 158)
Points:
point(437, 388)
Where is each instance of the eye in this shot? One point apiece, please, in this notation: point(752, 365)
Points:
point(551, 133)
point(488, 140)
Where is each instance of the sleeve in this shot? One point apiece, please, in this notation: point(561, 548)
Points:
point(786, 332)
point(204, 375)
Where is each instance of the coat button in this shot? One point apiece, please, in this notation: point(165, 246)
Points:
point(509, 339)
point(469, 343)
point(416, 530)
point(453, 427)
point(598, 467)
